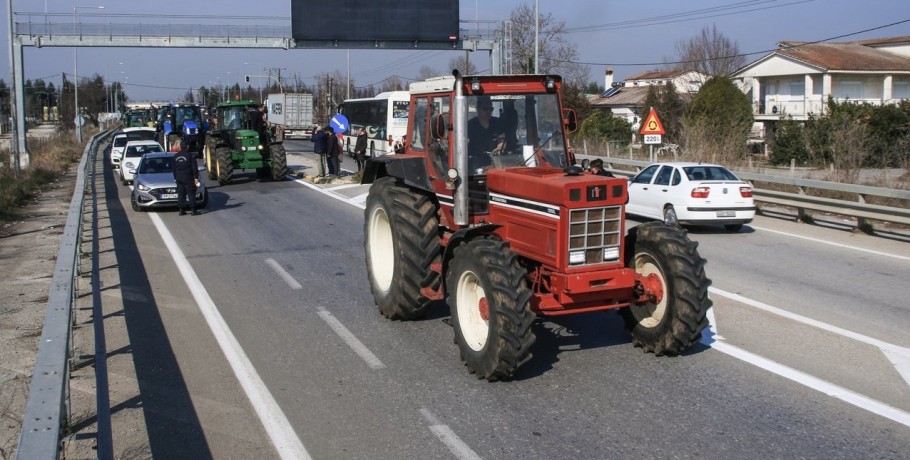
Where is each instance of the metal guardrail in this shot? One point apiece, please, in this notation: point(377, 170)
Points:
point(47, 407)
point(859, 209)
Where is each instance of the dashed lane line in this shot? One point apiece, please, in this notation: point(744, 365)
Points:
point(448, 437)
point(350, 339)
point(283, 274)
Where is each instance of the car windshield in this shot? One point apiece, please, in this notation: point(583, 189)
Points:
point(708, 173)
point(156, 165)
point(120, 141)
point(139, 150)
point(506, 130)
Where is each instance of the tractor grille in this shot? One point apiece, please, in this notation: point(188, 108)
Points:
point(594, 235)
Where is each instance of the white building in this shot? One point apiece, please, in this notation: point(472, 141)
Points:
point(798, 78)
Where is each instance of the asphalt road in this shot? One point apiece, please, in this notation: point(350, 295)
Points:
point(282, 265)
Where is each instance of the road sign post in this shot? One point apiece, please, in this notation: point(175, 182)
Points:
point(652, 130)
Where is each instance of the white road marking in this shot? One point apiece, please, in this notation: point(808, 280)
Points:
point(845, 246)
point(899, 356)
point(283, 274)
point(350, 339)
point(343, 186)
point(270, 414)
point(830, 389)
point(449, 438)
point(351, 201)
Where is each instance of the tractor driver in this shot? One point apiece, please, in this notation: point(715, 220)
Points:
point(486, 135)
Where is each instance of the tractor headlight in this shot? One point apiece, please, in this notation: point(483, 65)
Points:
point(611, 253)
point(260, 147)
point(576, 257)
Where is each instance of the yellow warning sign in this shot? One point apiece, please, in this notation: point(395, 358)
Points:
point(652, 124)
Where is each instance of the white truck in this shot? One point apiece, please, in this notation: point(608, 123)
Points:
point(292, 113)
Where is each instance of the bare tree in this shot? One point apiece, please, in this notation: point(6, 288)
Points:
point(424, 73)
point(465, 66)
point(710, 52)
point(556, 53)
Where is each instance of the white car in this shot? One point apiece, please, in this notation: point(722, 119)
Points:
point(125, 135)
point(132, 153)
point(691, 193)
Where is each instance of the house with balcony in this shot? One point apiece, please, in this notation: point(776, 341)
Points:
point(797, 79)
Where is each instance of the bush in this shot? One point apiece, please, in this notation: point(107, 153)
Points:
point(788, 142)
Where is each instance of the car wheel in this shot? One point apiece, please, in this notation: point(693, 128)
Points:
point(670, 217)
point(134, 203)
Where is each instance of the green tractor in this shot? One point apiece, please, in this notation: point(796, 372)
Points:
point(234, 144)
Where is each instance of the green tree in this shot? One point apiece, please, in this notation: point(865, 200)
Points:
point(888, 124)
point(670, 109)
point(603, 127)
point(721, 104)
point(788, 142)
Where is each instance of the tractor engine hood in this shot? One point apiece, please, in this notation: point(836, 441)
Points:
point(554, 186)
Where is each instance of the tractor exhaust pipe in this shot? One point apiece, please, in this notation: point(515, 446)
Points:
point(461, 152)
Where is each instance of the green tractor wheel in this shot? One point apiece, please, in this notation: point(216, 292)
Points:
point(209, 156)
point(279, 161)
point(225, 166)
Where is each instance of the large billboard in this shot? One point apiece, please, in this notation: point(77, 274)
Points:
point(412, 21)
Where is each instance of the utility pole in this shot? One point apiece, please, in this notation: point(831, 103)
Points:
point(14, 141)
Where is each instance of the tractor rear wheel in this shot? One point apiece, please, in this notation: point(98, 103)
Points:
point(279, 162)
point(401, 241)
point(491, 308)
point(670, 312)
point(225, 165)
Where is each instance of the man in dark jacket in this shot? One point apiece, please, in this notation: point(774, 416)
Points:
point(332, 151)
point(186, 174)
point(360, 148)
point(319, 146)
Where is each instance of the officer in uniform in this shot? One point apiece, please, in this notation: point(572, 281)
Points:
point(186, 174)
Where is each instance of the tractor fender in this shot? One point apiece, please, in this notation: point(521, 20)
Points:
point(412, 170)
point(465, 234)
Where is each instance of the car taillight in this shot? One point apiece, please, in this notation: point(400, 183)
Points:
point(746, 192)
point(700, 192)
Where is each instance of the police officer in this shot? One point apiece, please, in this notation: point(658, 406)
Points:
point(186, 174)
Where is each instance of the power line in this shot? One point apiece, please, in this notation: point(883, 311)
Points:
point(686, 16)
point(734, 55)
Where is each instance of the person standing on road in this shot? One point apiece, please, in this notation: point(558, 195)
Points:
point(332, 151)
point(186, 174)
point(319, 146)
point(360, 149)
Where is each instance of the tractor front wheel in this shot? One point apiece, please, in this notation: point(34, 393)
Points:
point(279, 162)
point(490, 302)
point(209, 154)
point(401, 241)
point(672, 302)
point(225, 165)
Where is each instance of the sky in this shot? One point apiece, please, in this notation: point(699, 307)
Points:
point(627, 36)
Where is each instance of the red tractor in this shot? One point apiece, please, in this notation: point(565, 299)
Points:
point(487, 210)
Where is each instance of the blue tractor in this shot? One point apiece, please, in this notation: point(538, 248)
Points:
point(182, 122)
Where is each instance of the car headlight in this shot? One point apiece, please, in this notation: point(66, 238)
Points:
point(129, 165)
point(143, 187)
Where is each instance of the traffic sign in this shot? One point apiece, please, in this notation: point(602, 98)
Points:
point(339, 123)
point(652, 139)
point(652, 124)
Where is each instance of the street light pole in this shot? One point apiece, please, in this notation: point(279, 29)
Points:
point(14, 146)
point(536, 37)
point(78, 116)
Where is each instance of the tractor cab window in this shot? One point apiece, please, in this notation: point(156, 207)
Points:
point(233, 118)
point(190, 113)
point(509, 130)
point(439, 134)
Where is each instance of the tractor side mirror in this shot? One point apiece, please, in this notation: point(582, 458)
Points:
point(570, 120)
point(440, 125)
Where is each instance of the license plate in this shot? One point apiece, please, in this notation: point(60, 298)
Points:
point(726, 213)
point(168, 196)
